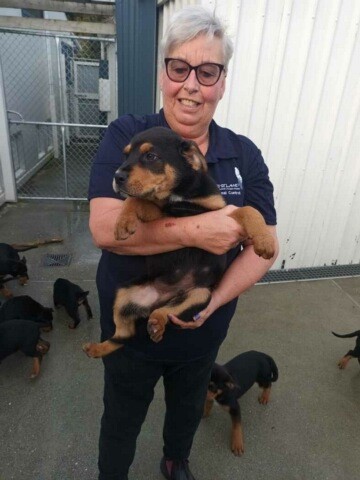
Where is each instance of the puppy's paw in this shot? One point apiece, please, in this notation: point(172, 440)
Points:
point(264, 246)
point(92, 350)
point(125, 227)
point(237, 448)
point(156, 326)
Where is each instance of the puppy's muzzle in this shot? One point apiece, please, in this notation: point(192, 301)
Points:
point(119, 181)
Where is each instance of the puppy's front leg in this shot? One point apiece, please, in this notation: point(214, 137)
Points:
point(237, 439)
point(256, 229)
point(134, 209)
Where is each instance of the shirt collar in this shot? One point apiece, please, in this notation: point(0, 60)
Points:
point(219, 145)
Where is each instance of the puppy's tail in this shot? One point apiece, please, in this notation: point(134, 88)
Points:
point(274, 369)
point(347, 335)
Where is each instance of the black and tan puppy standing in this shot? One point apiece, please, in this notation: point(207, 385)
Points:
point(165, 175)
point(231, 381)
point(70, 296)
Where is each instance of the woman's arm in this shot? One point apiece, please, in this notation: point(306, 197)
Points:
point(215, 231)
point(243, 273)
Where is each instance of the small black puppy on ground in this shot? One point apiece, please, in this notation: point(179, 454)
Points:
point(26, 308)
point(351, 353)
point(23, 335)
point(71, 296)
point(12, 265)
point(229, 382)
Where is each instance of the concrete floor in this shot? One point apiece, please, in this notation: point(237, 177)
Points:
point(309, 430)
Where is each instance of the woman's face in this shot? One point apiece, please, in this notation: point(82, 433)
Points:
point(189, 106)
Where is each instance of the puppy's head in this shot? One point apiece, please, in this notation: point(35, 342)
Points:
point(220, 382)
point(157, 163)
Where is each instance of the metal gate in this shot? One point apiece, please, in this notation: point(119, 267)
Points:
point(60, 93)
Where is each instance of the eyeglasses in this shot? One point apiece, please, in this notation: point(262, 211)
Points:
point(207, 74)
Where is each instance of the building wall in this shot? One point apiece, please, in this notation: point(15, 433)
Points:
point(293, 88)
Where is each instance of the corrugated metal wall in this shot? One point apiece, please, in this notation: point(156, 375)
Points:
point(293, 88)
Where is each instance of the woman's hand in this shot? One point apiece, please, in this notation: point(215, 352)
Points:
point(215, 231)
point(200, 317)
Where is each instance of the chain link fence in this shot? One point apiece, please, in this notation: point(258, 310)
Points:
point(60, 93)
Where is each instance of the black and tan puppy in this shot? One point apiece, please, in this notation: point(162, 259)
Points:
point(23, 335)
point(351, 353)
point(11, 265)
point(70, 296)
point(164, 175)
point(231, 381)
point(26, 308)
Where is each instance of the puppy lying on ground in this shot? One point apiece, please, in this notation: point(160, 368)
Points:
point(23, 335)
point(231, 381)
point(351, 353)
point(71, 296)
point(164, 175)
point(26, 308)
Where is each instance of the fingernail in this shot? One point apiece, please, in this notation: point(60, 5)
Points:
point(197, 316)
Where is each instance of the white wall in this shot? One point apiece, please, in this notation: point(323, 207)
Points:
point(293, 88)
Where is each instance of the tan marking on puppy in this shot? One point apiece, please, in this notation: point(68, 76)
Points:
point(23, 280)
point(214, 202)
point(125, 327)
point(256, 229)
point(42, 346)
point(159, 317)
point(196, 158)
point(144, 183)
point(145, 147)
point(237, 439)
point(265, 396)
point(127, 149)
point(6, 292)
point(208, 407)
point(135, 209)
point(35, 367)
point(98, 350)
point(344, 361)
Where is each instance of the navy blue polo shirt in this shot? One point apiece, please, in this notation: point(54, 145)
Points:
point(238, 168)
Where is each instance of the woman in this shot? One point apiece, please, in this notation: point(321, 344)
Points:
point(195, 56)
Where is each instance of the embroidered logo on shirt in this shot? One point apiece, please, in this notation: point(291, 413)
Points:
point(232, 188)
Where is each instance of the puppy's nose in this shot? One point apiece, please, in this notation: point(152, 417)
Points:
point(120, 176)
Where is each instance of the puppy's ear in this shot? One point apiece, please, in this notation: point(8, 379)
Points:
point(194, 157)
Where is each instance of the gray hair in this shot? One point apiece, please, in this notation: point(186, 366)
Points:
point(190, 22)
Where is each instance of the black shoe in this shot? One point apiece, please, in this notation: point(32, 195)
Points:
point(176, 469)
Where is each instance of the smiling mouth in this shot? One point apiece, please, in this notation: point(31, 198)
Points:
point(188, 103)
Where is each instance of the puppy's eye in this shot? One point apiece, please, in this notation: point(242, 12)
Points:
point(151, 157)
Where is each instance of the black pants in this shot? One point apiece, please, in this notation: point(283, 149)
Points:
point(128, 392)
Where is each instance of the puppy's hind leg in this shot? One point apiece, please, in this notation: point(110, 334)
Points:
point(131, 303)
point(264, 397)
point(192, 301)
